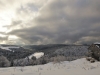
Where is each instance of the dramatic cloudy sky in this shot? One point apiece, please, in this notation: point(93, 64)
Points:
point(49, 21)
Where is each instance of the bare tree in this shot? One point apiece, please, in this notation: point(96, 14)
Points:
point(58, 59)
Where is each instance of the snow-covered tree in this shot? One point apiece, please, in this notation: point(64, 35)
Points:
point(4, 62)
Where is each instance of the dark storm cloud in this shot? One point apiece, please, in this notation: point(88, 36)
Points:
point(64, 21)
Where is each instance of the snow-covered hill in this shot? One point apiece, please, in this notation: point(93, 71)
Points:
point(77, 67)
point(37, 55)
point(8, 47)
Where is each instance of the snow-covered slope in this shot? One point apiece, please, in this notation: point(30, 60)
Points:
point(8, 47)
point(37, 55)
point(77, 67)
point(97, 43)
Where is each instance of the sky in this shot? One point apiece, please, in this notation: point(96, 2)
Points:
point(49, 21)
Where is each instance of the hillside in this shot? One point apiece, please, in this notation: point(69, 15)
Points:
point(23, 55)
point(77, 67)
point(53, 50)
point(14, 52)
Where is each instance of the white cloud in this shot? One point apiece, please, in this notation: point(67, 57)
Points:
point(14, 10)
point(52, 21)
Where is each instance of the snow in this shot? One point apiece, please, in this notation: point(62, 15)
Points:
point(77, 67)
point(8, 48)
point(97, 46)
point(97, 43)
point(37, 55)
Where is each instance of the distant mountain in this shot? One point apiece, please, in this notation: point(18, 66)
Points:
point(43, 47)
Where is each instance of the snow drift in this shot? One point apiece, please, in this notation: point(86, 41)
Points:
point(77, 67)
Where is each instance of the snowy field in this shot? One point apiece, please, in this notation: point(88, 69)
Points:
point(77, 67)
point(37, 55)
